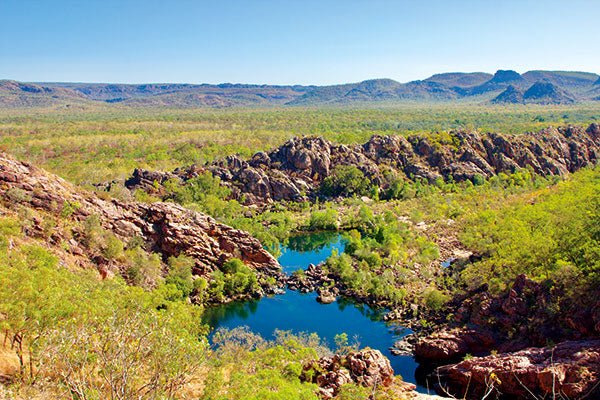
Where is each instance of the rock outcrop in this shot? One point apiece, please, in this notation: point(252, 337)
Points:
point(165, 228)
point(367, 367)
point(568, 370)
point(453, 344)
point(522, 317)
point(518, 325)
point(295, 171)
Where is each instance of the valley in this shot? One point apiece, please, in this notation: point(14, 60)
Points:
point(438, 243)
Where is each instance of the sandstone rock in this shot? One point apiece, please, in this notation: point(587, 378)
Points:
point(166, 228)
point(523, 316)
point(367, 367)
point(570, 370)
point(297, 168)
point(326, 297)
point(453, 344)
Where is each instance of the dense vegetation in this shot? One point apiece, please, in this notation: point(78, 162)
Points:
point(137, 336)
point(552, 233)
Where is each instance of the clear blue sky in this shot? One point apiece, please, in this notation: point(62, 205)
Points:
point(288, 41)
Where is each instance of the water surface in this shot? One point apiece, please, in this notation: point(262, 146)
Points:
point(314, 248)
point(298, 312)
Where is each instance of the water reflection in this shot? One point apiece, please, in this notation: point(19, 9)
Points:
point(300, 312)
point(312, 242)
point(313, 248)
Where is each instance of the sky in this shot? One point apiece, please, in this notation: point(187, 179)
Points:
point(290, 42)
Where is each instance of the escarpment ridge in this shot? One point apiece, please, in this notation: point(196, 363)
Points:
point(296, 170)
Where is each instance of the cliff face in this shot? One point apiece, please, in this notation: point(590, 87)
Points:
point(296, 170)
point(165, 228)
point(519, 325)
point(570, 370)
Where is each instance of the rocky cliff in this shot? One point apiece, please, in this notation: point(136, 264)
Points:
point(519, 326)
point(368, 368)
point(164, 228)
point(296, 170)
point(569, 370)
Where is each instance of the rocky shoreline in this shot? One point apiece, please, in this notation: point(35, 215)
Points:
point(468, 357)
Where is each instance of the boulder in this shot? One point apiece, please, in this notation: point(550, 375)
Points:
point(448, 345)
point(326, 297)
point(568, 370)
point(367, 367)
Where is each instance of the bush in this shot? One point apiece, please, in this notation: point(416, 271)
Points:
point(234, 278)
point(323, 220)
point(434, 299)
point(346, 180)
point(180, 274)
point(142, 269)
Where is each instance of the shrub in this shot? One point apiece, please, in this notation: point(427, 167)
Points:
point(434, 299)
point(346, 180)
point(323, 220)
point(180, 274)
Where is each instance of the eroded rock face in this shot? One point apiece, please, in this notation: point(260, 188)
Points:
point(518, 324)
point(568, 370)
point(454, 344)
point(296, 170)
point(166, 228)
point(520, 318)
point(367, 367)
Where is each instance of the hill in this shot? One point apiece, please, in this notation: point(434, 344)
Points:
point(541, 92)
point(18, 94)
point(501, 80)
point(510, 95)
point(544, 92)
point(567, 87)
point(460, 79)
point(570, 79)
point(186, 95)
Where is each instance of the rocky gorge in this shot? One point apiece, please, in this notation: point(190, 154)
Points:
point(530, 340)
point(526, 340)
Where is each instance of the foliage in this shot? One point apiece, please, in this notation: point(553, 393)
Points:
point(95, 339)
point(326, 219)
point(142, 268)
point(271, 370)
point(180, 274)
point(346, 181)
point(542, 234)
point(235, 278)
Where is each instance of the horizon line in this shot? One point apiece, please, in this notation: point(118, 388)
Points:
point(280, 84)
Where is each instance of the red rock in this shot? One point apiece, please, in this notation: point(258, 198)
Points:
point(570, 370)
point(367, 367)
point(297, 168)
point(453, 344)
point(167, 228)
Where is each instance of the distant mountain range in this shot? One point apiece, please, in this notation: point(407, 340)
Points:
point(505, 86)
